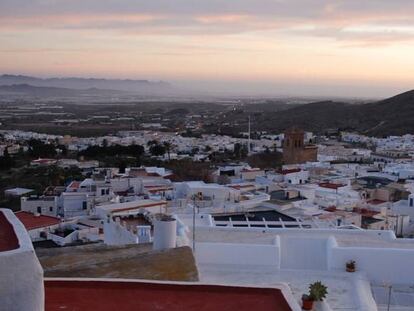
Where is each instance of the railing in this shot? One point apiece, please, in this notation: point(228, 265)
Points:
point(263, 223)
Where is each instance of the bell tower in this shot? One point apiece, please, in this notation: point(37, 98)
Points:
point(293, 145)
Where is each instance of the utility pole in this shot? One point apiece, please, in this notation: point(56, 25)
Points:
point(389, 297)
point(248, 143)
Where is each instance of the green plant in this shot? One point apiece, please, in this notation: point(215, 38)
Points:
point(318, 291)
point(350, 264)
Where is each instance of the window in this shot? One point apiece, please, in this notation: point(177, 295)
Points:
point(50, 208)
point(411, 202)
point(102, 191)
point(39, 209)
point(84, 205)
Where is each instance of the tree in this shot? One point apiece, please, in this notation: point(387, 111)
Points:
point(6, 161)
point(157, 150)
point(167, 146)
point(240, 151)
point(122, 167)
point(63, 150)
point(38, 149)
point(152, 143)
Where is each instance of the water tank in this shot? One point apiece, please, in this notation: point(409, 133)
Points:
point(165, 232)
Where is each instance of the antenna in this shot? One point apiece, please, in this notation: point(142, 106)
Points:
point(248, 143)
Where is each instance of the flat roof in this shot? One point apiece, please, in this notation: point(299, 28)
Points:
point(126, 206)
point(120, 295)
point(18, 191)
point(8, 238)
point(31, 221)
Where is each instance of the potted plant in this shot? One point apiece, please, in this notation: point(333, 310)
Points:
point(317, 293)
point(350, 266)
point(307, 302)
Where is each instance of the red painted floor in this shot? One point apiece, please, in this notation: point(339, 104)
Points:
point(119, 296)
point(8, 238)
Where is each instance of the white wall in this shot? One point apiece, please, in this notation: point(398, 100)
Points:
point(303, 253)
point(296, 178)
point(62, 241)
point(73, 204)
point(381, 265)
point(239, 254)
point(35, 233)
point(123, 184)
point(116, 234)
point(31, 205)
point(21, 276)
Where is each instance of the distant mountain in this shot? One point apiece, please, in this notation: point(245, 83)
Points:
point(136, 86)
point(392, 116)
point(40, 91)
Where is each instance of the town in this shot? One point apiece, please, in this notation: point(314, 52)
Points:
point(342, 194)
point(217, 155)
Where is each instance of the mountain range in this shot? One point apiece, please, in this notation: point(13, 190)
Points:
point(47, 91)
point(135, 86)
point(392, 116)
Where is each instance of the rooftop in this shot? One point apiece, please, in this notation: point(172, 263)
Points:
point(136, 261)
point(8, 238)
point(32, 221)
point(118, 295)
point(290, 171)
point(331, 185)
point(129, 206)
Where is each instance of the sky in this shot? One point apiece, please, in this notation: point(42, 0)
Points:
point(259, 47)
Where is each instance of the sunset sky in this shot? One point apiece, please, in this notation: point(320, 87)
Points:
point(296, 47)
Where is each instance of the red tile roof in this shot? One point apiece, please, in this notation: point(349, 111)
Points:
point(30, 221)
point(8, 238)
point(74, 185)
point(105, 296)
point(330, 209)
point(290, 171)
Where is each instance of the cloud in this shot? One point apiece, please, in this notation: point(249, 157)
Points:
point(348, 21)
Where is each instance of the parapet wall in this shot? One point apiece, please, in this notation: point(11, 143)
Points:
point(21, 276)
point(390, 265)
point(382, 257)
point(241, 254)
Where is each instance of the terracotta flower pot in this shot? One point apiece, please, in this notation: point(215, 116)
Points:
point(307, 304)
point(348, 269)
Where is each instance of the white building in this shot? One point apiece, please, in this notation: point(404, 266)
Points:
point(40, 205)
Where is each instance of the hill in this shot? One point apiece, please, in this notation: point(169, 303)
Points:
point(137, 86)
point(392, 116)
point(40, 91)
